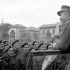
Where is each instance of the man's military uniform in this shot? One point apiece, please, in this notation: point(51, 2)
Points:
point(38, 60)
point(22, 57)
point(64, 40)
point(12, 59)
point(4, 57)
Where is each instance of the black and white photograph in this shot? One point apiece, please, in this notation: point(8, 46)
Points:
point(34, 34)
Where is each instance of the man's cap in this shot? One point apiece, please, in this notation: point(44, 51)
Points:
point(1, 41)
point(29, 43)
point(24, 44)
point(5, 42)
point(64, 8)
point(34, 43)
point(15, 42)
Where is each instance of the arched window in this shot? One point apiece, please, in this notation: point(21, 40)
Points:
point(35, 35)
point(12, 34)
point(48, 33)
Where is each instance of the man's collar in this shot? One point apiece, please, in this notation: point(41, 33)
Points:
point(65, 22)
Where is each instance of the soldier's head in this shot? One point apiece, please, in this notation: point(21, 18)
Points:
point(15, 42)
point(44, 46)
point(27, 46)
point(40, 46)
point(10, 51)
point(5, 43)
point(35, 45)
point(64, 13)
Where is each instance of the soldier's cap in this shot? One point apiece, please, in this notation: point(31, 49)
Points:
point(45, 43)
point(26, 43)
point(64, 8)
point(15, 42)
point(29, 43)
point(1, 41)
point(34, 43)
point(5, 42)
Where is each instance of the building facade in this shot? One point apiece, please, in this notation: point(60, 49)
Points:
point(23, 33)
point(50, 30)
point(15, 32)
point(44, 33)
point(32, 34)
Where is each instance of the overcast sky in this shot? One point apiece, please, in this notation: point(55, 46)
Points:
point(31, 12)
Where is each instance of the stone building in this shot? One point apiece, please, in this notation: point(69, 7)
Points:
point(15, 32)
point(32, 34)
point(54, 29)
point(23, 33)
point(44, 33)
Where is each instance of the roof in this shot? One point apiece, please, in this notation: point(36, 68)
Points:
point(48, 26)
point(17, 26)
point(32, 29)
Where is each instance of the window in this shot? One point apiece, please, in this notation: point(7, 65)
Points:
point(53, 31)
point(23, 34)
point(43, 32)
point(12, 34)
point(35, 35)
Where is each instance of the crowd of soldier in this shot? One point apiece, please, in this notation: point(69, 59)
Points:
point(15, 56)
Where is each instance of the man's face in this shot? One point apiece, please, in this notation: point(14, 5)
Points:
point(35, 46)
point(27, 47)
point(43, 47)
point(63, 16)
point(10, 51)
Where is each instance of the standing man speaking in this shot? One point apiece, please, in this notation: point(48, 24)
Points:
point(64, 40)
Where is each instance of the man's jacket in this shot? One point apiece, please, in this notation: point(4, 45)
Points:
point(64, 40)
